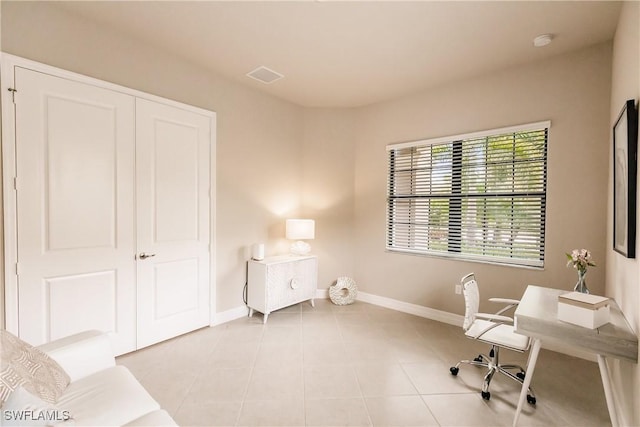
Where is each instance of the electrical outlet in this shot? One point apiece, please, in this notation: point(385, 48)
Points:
point(458, 289)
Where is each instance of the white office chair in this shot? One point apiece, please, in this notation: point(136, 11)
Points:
point(497, 331)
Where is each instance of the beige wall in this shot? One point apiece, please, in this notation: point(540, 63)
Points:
point(258, 137)
point(327, 185)
point(573, 92)
point(623, 275)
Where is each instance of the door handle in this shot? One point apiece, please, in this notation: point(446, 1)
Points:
point(144, 255)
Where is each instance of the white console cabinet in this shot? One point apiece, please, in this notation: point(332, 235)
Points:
point(281, 281)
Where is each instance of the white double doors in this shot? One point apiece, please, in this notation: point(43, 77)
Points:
point(112, 195)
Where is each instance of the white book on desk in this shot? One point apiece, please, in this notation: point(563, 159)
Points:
point(589, 311)
point(592, 302)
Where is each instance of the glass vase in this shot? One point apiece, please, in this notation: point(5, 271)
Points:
point(581, 286)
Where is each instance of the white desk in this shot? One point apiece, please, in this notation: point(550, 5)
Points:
point(537, 317)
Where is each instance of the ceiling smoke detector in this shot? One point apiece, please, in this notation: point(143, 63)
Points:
point(265, 75)
point(542, 40)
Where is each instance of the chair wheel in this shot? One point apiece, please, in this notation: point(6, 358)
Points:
point(486, 395)
point(454, 371)
point(478, 359)
point(531, 399)
point(520, 375)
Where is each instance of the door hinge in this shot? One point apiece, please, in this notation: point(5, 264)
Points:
point(15, 183)
point(17, 269)
point(13, 94)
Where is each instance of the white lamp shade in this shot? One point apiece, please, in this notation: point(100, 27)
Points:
point(300, 229)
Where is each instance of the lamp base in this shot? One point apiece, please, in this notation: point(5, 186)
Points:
point(300, 248)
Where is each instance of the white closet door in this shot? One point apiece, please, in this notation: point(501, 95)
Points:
point(172, 167)
point(75, 209)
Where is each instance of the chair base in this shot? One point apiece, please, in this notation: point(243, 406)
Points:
point(492, 364)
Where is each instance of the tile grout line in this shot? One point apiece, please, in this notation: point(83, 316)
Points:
point(362, 398)
point(252, 368)
point(304, 384)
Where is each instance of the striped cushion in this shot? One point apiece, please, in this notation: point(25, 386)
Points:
point(26, 366)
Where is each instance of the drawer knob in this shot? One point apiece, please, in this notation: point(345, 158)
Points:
point(294, 283)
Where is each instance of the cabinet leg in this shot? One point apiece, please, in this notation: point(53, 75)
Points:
point(250, 312)
point(313, 304)
point(264, 319)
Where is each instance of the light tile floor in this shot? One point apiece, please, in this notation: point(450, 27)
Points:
point(358, 365)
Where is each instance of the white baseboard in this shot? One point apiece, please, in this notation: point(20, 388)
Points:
point(404, 307)
point(322, 293)
point(417, 310)
point(457, 320)
point(229, 315)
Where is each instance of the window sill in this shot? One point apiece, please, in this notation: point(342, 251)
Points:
point(465, 258)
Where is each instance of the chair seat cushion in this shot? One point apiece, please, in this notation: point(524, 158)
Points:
point(502, 335)
point(112, 397)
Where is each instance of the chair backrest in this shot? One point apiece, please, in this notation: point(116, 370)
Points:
point(471, 299)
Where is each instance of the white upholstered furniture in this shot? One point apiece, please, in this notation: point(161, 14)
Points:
point(100, 393)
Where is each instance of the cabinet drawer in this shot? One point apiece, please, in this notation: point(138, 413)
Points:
point(281, 281)
point(291, 282)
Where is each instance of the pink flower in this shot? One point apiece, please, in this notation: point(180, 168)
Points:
point(580, 259)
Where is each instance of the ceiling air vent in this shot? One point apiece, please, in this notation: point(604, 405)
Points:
point(265, 75)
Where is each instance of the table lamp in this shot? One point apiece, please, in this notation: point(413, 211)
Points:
point(299, 230)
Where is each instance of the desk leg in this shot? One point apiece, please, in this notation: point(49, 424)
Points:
point(531, 365)
point(608, 392)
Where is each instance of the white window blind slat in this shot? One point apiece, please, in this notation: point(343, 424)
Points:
point(483, 197)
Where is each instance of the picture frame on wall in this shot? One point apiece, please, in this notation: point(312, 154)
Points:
point(625, 166)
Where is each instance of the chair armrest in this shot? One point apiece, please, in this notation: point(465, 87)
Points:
point(82, 354)
point(494, 317)
point(510, 304)
point(505, 300)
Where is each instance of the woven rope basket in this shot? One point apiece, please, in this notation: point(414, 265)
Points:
point(344, 292)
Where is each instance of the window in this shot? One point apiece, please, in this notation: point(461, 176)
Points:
point(478, 196)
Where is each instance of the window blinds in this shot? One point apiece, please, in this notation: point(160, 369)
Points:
point(478, 196)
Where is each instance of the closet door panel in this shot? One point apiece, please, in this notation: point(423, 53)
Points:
point(80, 166)
point(176, 187)
point(172, 166)
point(75, 209)
point(98, 293)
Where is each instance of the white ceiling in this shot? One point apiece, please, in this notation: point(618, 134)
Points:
point(345, 54)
